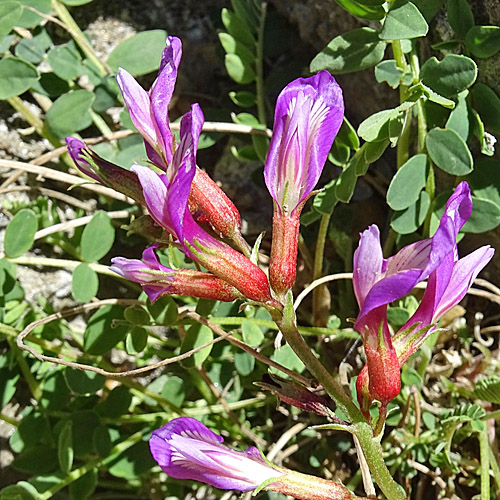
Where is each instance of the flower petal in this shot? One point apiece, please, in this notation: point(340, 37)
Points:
point(368, 262)
point(309, 113)
point(186, 449)
point(138, 103)
point(75, 149)
point(464, 273)
point(155, 189)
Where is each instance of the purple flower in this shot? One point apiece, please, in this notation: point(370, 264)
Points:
point(103, 171)
point(309, 113)
point(149, 110)
point(166, 197)
point(158, 280)
point(378, 282)
point(186, 449)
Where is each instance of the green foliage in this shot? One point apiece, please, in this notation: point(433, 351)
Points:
point(80, 435)
point(139, 54)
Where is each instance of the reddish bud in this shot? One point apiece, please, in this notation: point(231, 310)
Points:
point(209, 203)
point(296, 395)
point(283, 260)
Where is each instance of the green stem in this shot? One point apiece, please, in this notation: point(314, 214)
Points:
point(375, 460)
point(288, 328)
point(100, 123)
point(494, 467)
point(318, 260)
point(484, 454)
point(18, 104)
point(259, 63)
point(9, 420)
point(79, 37)
point(403, 143)
point(25, 370)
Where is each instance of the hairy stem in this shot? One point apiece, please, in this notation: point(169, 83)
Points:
point(318, 261)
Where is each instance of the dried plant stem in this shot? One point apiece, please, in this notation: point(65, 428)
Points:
point(50, 173)
point(283, 440)
point(79, 366)
point(244, 347)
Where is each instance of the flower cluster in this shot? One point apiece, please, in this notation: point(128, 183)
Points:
point(179, 195)
point(378, 282)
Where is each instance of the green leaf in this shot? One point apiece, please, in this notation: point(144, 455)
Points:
point(238, 70)
point(74, 3)
point(20, 491)
point(30, 50)
point(83, 383)
point(347, 135)
point(485, 216)
point(84, 422)
point(140, 54)
point(484, 180)
point(434, 96)
point(97, 237)
point(459, 117)
point(406, 185)
point(486, 140)
point(388, 71)
point(353, 51)
point(16, 77)
point(164, 311)
point(66, 62)
point(238, 28)
point(450, 76)
point(136, 340)
point(102, 441)
point(288, 358)
point(375, 127)
point(65, 447)
point(133, 462)
point(460, 17)
point(117, 403)
point(84, 486)
point(487, 104)
point(449, 151)
point(196, 336)
point(488, 389)
point(29, 461)
point(70, 113)
point(429, 8)
point(365, 10)
point(85, 283)
point(30, 19)
point(10, 12)
point(483, 41)
point(137, 315)
point(243, 98)
point(409, 220)
point(233, 46)
point(20, 233)
point(103, 332)
point(174, 390)
point(252, 333)
point(325, 201)
point(50, 85)
point(244, 363)
point(404, 20)
point(9, 377)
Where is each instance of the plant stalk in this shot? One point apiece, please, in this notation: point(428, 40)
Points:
point(318, 262)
